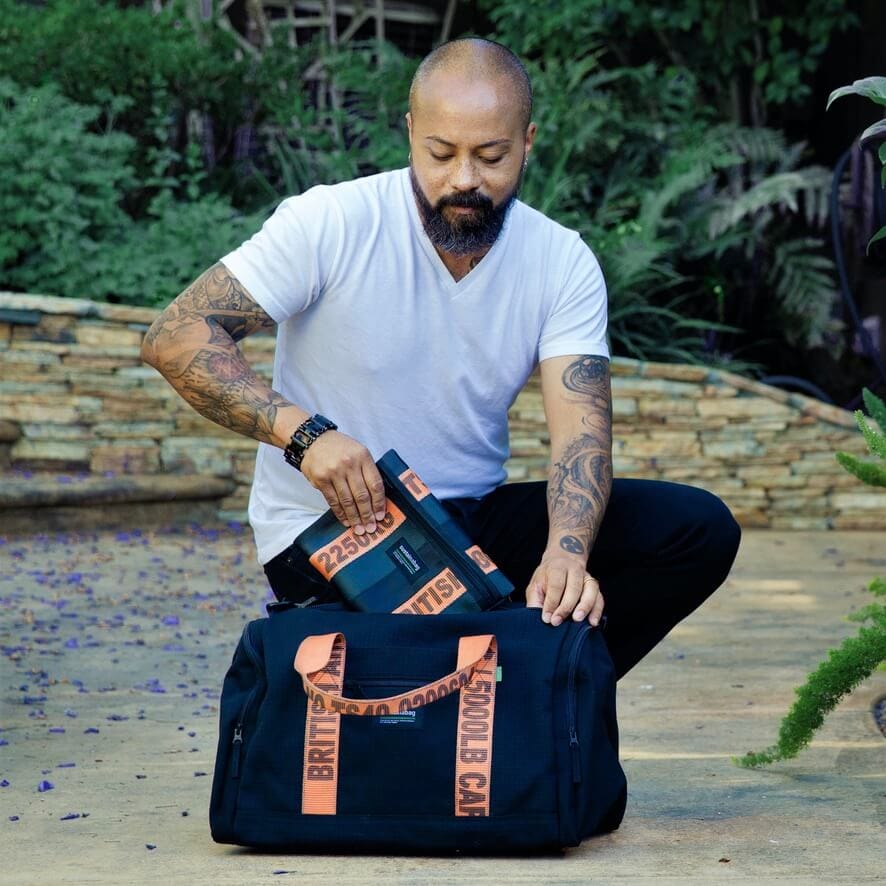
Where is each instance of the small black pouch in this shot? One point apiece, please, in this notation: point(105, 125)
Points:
point(418, 561)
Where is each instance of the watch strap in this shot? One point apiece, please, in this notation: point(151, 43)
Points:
point(304, 435)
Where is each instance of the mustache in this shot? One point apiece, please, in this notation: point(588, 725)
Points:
point(472, 200)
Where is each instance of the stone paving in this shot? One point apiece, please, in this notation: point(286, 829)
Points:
point(114, 645)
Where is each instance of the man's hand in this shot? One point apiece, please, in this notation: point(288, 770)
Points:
point(562, 587)
point(343, 470)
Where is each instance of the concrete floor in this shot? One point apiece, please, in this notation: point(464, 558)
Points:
point(114, 645)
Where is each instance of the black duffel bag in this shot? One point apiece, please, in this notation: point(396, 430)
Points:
point(484, 732)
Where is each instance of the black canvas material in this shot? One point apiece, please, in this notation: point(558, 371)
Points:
point(555, 774)
point(426, 559)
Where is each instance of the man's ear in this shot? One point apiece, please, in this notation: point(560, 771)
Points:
point(409, 125)
point(530, 137)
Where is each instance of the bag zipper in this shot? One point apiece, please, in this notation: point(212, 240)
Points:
point(461, 558)
point(237, 742)
point(574, 748)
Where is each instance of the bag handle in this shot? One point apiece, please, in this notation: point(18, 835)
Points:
point(322, 656)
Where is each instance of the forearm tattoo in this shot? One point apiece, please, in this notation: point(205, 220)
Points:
point(581, 478)
point(193, 345)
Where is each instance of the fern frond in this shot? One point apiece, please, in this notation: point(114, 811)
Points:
point(803, 282)
point(686, 171)
point(780, 190)
point(758, 145)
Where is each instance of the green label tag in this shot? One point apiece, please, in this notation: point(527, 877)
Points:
point(498, 674)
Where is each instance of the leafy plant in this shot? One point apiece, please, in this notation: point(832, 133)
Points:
point(756, 56)
point(62, 190)
point(873, 88)
point(857, 657)
point(359, 132)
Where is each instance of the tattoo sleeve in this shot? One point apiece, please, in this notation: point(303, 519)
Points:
point(193, 344)
point(581, 471)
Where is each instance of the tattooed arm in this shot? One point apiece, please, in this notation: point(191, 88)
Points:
point(577, 400)
point(193, 344)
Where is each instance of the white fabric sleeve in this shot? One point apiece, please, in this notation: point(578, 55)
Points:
point(286, 264)
point(576, 323)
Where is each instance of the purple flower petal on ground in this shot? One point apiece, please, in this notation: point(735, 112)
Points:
point(117, 717)
point(90, 731)
point(56, 729)
point(72, 643)
point(69, 816)
point(3, 742)
point(45, 786)
point(70, 713)
point(150, 845)
point(65, 765)
point(4, 783)
point(170, 620)
point(13, 818)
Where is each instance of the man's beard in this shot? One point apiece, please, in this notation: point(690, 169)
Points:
point(467, 233)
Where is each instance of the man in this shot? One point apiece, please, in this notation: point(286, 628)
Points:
point(411, 308)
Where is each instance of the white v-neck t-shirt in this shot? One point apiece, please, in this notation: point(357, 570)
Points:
point(375, 334)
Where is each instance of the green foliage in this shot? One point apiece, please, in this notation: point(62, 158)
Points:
point(846, 666)
point(707, 231)
point(875, 407)
point(62, 189)
point(161, 255)
point(868, 472)
point(872, 473)
point(753, 57)
point(857, 657)
point(873, 88)
point(360, 132)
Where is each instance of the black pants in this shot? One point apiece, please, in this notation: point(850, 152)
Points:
point(662, 550)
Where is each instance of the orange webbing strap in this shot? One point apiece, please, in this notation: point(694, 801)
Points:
point(320, 661)
point(444, 588)
point(473, 746)
point(347, 547)
point(315, 653)
point(322, 729)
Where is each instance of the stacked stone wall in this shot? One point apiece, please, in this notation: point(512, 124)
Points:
point(77, 403)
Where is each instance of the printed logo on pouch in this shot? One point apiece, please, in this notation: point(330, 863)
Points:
point(405, 558)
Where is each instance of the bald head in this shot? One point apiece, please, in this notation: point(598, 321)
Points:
point(474, 58)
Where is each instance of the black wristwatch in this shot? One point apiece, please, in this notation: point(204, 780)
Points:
point(304, 435)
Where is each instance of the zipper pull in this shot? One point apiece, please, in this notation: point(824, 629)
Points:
point(576, 758)
point(238, 745)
